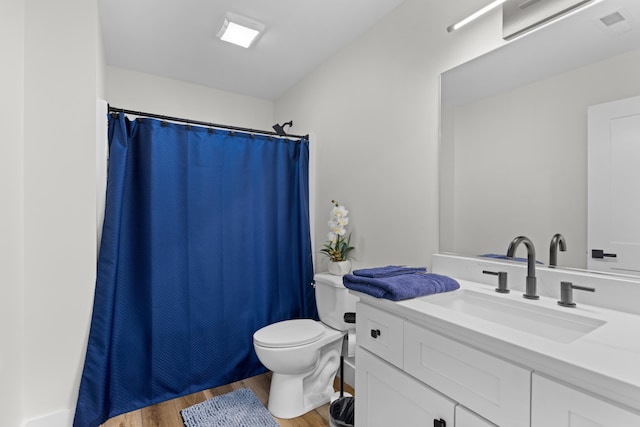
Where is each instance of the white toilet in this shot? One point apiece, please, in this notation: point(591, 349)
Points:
point(303, 354)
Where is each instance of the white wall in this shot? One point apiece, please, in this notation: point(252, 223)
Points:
point(132, 90)
point(11, 220)
point(374, 110)
point(61, 60)
point(521, 160)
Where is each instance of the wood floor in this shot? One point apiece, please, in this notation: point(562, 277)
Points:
point(167, 414)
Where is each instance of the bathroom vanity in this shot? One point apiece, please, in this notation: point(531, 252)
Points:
point(478, 358)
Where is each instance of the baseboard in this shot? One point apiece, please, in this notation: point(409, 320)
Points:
point(56, 419)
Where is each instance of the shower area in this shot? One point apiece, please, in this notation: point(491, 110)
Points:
point(206, 238)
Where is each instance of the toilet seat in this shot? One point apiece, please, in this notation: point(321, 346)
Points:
point(289, 333)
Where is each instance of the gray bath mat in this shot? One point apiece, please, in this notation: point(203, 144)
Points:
point(240, 408)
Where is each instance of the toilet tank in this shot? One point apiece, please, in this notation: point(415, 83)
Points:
point(333, 300)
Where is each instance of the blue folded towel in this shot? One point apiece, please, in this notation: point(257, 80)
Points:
point(388, 271)
point(402, 286)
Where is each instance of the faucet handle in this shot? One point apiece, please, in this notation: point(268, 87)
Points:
point(566, 293)
point(502, 280)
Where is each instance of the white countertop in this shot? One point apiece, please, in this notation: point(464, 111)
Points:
point(605, 361)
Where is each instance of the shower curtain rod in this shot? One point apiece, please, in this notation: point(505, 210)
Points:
point(200, 123)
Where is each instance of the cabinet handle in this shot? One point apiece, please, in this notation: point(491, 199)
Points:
point(439, 423)
point(375, 333)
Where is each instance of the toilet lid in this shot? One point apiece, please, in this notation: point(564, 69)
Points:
point(289, 333)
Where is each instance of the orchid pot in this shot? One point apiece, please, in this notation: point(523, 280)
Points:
point(339, 268)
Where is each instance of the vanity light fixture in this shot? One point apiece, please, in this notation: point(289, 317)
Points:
point(475, 15)
point(239, 30)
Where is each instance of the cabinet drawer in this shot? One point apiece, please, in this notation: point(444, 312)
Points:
point(380, 332)
point(555, 404)
point(493, 388)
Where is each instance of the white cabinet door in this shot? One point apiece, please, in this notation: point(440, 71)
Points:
point(492, 387)
point(613, 192)
point(466, 418)
point(387, 397)
point(557, 405)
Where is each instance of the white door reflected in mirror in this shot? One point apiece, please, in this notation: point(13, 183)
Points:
point(613, 192)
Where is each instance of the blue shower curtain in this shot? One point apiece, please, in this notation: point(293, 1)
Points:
point(206, 239)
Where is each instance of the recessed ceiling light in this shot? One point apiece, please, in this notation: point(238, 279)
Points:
point(239, 30)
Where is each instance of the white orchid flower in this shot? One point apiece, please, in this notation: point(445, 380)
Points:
point(338, 248)
point(340, 231)
point(339, 211)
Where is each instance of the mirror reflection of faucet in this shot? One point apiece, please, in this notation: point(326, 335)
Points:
point(557, 242)
point(530, 286)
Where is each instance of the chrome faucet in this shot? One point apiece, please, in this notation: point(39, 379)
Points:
point(556, 242)
point(530, 289)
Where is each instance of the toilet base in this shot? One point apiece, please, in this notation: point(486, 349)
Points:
point(287, 401)
point(291, 396)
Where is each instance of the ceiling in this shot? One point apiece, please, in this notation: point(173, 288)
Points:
point(176, 39)
point(580, 39)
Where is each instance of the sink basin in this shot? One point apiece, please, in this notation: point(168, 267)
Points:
point(557, 325)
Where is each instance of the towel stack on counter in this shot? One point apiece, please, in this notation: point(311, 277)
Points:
point(397, 283)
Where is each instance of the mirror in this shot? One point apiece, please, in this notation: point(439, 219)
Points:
point(513, 149)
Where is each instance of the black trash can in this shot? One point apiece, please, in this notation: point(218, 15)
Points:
point(341, 412)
